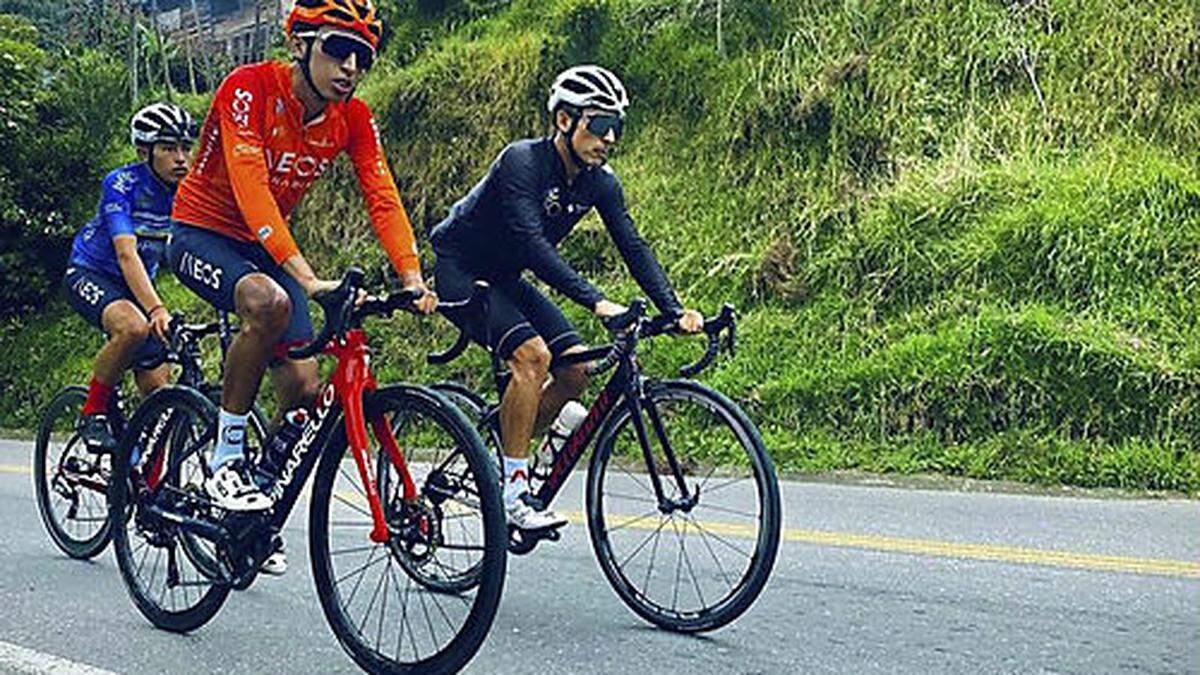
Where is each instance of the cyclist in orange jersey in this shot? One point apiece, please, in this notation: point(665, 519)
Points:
point(272, 130)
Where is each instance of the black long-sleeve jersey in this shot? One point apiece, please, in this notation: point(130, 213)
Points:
point(514, 218)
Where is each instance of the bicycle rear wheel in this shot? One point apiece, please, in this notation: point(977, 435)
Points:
point(70, 482)
point(382, 600)
point(699, 564)
point(171, 437)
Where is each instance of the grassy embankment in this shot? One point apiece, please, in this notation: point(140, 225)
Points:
point(964, 238)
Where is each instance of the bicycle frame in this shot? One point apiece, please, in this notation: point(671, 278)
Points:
point(342, 397)
point(624, 387)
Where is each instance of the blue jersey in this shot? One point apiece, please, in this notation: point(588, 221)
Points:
point(133, 201)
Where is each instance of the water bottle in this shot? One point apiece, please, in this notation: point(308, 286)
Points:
point(279, 446)
point(568, 419)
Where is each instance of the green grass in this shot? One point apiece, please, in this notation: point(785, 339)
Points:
point(962, 236)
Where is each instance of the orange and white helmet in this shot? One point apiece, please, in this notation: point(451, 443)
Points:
point(354, 15)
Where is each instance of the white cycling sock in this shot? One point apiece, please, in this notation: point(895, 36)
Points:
point(231, 438)
point(516, 479)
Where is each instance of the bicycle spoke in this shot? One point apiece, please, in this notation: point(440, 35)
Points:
point(353, 481)
point(711, 552)
point(721, 486)
point(688, 561)
point(633, 521)
point(678, 565)
point(723, 509)
point(428, 621)
point(356, 549)
point(371, 560)
point(351, 505)
point(374, 596)
point(387, 578)
point(722, 540)
point(631, 498)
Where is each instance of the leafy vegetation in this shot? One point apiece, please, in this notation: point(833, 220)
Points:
point(962, 236)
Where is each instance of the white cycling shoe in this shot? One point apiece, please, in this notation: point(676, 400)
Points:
point(276, 563)
point(523, 516)
point(232, 489)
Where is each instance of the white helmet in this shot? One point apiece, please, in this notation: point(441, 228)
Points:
point(159, 122)
point(588, 87)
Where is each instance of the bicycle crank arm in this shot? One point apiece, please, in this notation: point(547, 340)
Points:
point(201, 528)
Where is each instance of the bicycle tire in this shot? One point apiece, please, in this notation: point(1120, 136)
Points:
point(421, 403)
point(125, 501)
point(62, 410)
point(602, 525)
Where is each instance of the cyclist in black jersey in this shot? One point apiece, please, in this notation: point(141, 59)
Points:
point(511, 221)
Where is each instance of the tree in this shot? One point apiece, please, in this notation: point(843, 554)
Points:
point(57, 140)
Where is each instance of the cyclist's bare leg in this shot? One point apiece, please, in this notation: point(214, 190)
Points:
point(568, 383)
point(127, 328)
point(264, 308)
point(150, 380)
point(297, 383)
point(530, 364)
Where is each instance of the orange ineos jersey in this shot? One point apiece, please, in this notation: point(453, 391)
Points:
point(257, 157)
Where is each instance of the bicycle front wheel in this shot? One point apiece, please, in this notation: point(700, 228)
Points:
point(397, 606)
point(70, 482)
point(690, 559)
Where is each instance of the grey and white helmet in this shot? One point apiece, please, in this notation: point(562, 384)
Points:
point(161, 122)
point(588, 86)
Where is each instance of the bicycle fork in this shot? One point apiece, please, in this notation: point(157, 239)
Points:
point(686, 501)
point(353, 380)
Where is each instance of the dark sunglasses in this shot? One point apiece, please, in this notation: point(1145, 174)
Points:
point(340, 47)
point(601, 124)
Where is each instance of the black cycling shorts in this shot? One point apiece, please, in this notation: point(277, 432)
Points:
point(89, 292)
point(517, 311)
point(211, 265)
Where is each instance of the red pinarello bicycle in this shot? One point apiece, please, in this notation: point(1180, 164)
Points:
point(403, 484)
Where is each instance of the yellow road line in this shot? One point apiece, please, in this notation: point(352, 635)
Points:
point(14, 468)
point(875, 542)
point(942, 549)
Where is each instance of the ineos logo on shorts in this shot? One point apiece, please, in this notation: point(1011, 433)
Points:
point(200, 270)
point(88, 291)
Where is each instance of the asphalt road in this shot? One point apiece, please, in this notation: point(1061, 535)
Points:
point(868, 580)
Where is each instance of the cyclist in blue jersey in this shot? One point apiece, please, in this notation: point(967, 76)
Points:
point(511, 221)
point(114, 258)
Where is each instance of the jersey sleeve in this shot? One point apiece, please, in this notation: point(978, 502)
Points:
point(240, 109)
point(521, 206)
point(116, 203)
point(388, 217)
point(634, 251)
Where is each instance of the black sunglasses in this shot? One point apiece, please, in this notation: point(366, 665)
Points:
point(601, 124)
point(340, 47)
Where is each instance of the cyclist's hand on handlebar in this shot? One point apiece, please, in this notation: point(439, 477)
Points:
point(691, 321)
point(427, 303)
point(605, 309)
point(315, 285)
point(160, 323)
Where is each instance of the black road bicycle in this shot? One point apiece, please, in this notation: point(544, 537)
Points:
point(71, 481)
point(402, 481)
point(682, 501)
